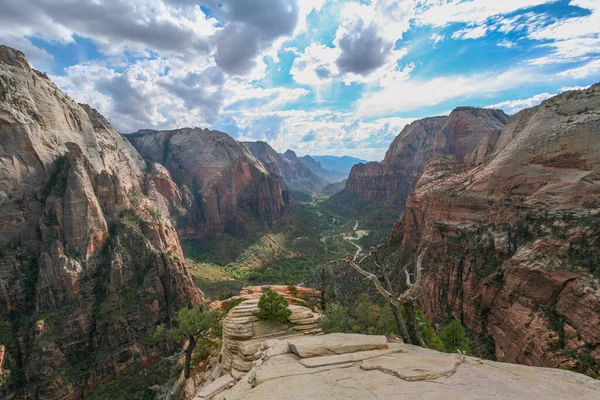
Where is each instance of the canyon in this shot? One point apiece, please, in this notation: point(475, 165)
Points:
point(504, 209)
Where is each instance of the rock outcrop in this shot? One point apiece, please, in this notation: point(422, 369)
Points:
point(512, 245)
point(244, 332)
point(296, 175)
point(343, 366)
point(89, 259)
point(225, 188)
point(467, 133)
point(296, 295)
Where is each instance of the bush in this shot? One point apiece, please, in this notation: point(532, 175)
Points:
point(336, 319)
point(273, 307)
point(454, 337)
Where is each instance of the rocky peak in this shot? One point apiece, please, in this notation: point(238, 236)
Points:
point(469, 134)
point(296, 175)
point(221, 179)
point(291, 155)
point(13, 57)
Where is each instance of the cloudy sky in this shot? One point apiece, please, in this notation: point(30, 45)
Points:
point(318, 76)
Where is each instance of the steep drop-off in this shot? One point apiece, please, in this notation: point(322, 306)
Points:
point(89, 260)
point(225, 188)
point(467, 133)
point(296, 175)
point(512, 246)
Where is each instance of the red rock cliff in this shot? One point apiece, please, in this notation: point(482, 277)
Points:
point(513, 244)
point(224, 186)
point(467, 133)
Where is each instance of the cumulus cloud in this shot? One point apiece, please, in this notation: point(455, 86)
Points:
point(363, 47)
point(252, 26)
point(115, 26)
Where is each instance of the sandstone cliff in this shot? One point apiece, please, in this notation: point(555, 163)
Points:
point(467, 133)
point(512, 244)
point(89, 262)
point(225, 188)
point(296, 175)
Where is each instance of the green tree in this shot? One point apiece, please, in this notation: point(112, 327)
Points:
point(336, 319)
point(430, 337)
point(273, 307)
point(195, 326)
point(454, 337)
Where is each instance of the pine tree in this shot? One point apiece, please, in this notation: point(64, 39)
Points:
point(273, 307)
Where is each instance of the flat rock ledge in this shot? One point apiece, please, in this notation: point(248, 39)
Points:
point(345, 366)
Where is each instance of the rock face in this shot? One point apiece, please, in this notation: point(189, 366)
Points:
point(467, 133)
point(368, 367)
point(512, 245)
point(296, 175)
point(224, 187)
point(244, 332)
point(90, 261)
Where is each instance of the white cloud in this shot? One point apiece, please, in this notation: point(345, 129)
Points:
point(470, 33)
point(592, 68)
point(316, 65)
point(406, 94)
point(436, 38)
point(514, 106)
point(507, 44)
point(441, 13)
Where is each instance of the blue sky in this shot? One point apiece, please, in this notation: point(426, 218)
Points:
point(317, 76)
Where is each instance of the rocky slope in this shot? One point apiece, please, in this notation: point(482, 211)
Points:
point(512, 245)
point(346, 366)
point(225, 188)
point(467, 133)
point(296, 175)
point(89, 259)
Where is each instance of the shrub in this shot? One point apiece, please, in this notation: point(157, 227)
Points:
point(454, 337)
point(293, 290)
point(336, 319)
point(273, 307)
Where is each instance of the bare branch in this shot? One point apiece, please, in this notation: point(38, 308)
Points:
point(409, 294)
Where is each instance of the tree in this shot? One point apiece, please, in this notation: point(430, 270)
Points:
point(336, 319)
point(195, 326)
point(454, 337)
point(381, 277)
point(273, 307)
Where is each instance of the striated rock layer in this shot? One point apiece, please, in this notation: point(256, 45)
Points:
point(467, 133)
point(344, 366)
point(512, 245)
point(89, 259)
point(225, 188)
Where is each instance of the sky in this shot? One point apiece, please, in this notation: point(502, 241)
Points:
point(317, 76)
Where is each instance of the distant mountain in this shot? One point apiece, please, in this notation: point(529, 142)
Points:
point(334, 188)
point(342, 164)
point(297, 176)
